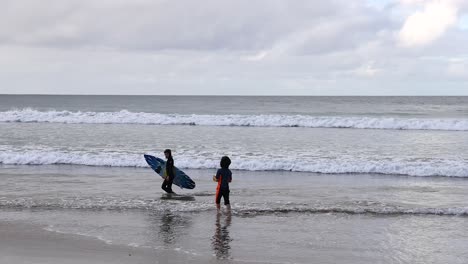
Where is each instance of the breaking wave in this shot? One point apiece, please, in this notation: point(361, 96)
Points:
point(342, 165)
point(125, 117)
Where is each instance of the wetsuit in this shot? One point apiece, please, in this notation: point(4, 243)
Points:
point(224, 177)
point(167, 183)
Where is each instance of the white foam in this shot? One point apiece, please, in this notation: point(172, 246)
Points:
point(238, 209)
point(389, 210)
point(126, 117)
point(52, 228)
point(50, 157)
point(345, 164)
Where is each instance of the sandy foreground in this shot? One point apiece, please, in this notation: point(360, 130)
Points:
point(21, 243)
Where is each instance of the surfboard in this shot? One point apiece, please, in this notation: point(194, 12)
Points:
point(180, 178)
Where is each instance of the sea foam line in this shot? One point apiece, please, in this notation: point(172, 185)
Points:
point(340, 165)
point(125, 117)
point(103, 203)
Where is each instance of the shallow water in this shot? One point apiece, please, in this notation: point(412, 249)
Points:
point(276, 217)
point(315, 179)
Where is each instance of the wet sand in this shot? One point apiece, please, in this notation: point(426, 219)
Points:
point(23, 243)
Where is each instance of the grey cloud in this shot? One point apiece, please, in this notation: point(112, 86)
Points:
point(187, 25)
point(218, 47)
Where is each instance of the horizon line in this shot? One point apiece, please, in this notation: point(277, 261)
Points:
point(237, 95)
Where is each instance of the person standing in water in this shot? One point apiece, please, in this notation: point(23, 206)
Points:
point(223, 177)
point(167, 183)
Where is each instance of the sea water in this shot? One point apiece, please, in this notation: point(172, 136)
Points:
point(328, 179)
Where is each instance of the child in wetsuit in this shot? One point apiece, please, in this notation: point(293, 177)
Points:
point(167, 183)
point(223, 177)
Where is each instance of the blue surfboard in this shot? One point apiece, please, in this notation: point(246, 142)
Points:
point(180, 178)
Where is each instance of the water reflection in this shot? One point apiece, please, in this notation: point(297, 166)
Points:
point(172, 227)
point(221, 239)
point(166, 229)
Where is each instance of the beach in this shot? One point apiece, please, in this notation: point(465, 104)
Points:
point(337, 219)
point(234, 132)
point(330, 180)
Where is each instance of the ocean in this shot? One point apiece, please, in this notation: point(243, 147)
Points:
point(315, 179)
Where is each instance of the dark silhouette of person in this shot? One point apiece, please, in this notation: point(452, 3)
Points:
point(223, 177)
point(167, 183)
point(221, 239)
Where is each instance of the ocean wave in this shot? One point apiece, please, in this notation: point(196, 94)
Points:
point(339, 165)
point(96, 203)
point(126, 117)
point(454, 211)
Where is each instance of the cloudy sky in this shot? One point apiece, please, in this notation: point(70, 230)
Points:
point(237, 47)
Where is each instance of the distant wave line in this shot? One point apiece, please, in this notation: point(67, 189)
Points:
point(28, 115)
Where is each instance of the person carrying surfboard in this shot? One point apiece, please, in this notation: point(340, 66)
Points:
point(223, 177)
point(167, 183)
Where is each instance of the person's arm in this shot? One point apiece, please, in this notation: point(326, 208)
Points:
point(230, 178)
point(170, 168)
point(217, 176)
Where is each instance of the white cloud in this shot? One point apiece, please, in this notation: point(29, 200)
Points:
point(423, 27)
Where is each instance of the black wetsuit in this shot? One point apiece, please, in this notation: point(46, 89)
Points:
point(167, 183)
point(224, 177)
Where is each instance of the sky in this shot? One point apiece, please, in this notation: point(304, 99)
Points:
point(217, 47)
